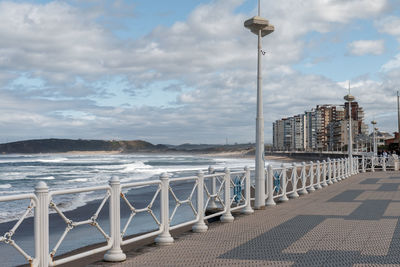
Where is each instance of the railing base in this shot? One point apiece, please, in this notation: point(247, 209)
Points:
point(164, 240)
point(227, 218)
point(114, 255)
point(199, 227)
point(284, 198)
point(247, 211)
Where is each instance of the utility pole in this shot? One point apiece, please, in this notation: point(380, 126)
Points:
point(398, 120)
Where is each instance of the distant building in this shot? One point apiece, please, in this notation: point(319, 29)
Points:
point(322, 128)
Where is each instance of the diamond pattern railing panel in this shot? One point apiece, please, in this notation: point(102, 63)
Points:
point(70, 224)
point(134, 211)
point(8, 237)
point(179, 201)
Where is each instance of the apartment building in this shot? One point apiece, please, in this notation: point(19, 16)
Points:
point(322, 128)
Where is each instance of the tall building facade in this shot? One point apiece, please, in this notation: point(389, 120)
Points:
point(322, 128)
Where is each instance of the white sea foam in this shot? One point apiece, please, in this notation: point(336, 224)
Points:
point(43, 178)
point(78, 180)
point(5, 186)
point(56, 160)
point(135, 167)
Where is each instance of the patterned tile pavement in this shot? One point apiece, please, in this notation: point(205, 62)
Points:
point(350, 223)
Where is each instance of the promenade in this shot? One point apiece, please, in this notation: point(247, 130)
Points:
point(351, 223)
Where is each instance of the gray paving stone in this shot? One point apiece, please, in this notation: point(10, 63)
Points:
point(370, 181)
point(369, 210)
point(351, 223)
point(346, 196)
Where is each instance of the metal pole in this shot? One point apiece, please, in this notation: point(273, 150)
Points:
point(375, 146)
point(398, 118)
point(260, 168)
point(350, 146)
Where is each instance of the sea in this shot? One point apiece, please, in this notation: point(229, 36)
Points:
point(19, 174)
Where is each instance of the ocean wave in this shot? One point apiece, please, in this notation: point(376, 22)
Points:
point(78, 180)
point(5, 186)
point(135, 167)
point(56, 160)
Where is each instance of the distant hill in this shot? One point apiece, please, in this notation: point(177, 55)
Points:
point(67, 145)
point(54, 145)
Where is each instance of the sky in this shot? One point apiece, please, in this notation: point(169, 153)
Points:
point(178, 71)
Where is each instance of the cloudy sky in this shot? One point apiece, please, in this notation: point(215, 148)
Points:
point(177, 71)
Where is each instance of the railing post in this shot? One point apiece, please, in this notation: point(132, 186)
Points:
point(334, 171)
point(372, 164)
point(165, 237)
point(212, 205)
point(345, 168)
point(324, 174)
point(384, 164)
point(227, 216)
point(294, 182)
point(363, 163)
point(284, 197)
point(330, 171)
point(356, 165)
point(340, 170)
point(303, 190)
point(396, 164)
point(318, 185)
point(41, 227)
point(270, 179)
point(247, 210)
point(200, 226)
point(312, 174)
point(115, 254)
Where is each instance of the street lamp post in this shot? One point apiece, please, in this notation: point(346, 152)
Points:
point(374, 137)
point(261, 28)
point(349, 98)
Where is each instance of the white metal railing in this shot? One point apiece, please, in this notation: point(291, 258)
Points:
point(208, 195)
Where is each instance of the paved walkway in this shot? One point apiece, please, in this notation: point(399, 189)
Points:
point(351, 223)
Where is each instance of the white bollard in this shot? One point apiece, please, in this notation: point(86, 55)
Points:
point(270, 180)
point(284, 197)
point(200, 226)
point(227, 216)
point(247, 210)
point(115, 254)
point(41, 227)
point(165, 237)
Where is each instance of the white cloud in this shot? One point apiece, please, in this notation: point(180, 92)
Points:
point(366, 47)
point(210, 55)
point(389, 25)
